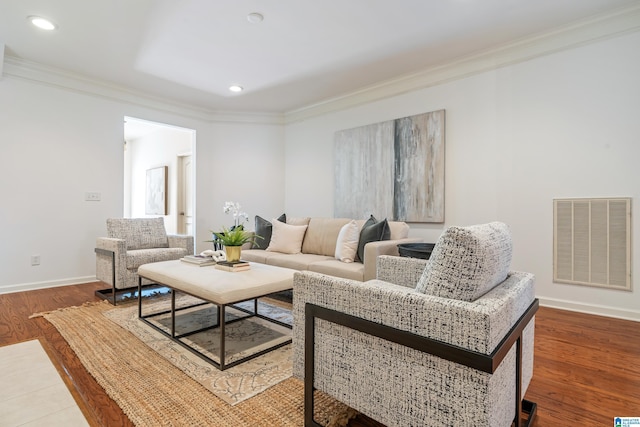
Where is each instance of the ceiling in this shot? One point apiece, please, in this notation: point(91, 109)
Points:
point(304, 52)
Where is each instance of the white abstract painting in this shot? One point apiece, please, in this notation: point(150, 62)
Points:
point(156, 191)
point(392, 169)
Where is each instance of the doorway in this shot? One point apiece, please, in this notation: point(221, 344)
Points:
point(185, 194)
point(152, 145)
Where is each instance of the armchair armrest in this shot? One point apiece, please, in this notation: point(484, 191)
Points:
point(115, 245)
point(181, 241)
point(477, 326)
point(482, 330)
point(111, 259)
point(402, 271)
point(385, 247)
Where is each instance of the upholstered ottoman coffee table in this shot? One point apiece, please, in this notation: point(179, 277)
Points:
point(221, 288)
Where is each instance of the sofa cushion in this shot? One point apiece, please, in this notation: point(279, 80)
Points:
point(347, 243)
point(299, 220)
point(139, 233)
point(137, 257)
point(286, 238)
point(257, 255)
point(372, 231)
point(296, 261)
point(264, 229)
point(322, 235)
point(333, 267)
point(468, 262)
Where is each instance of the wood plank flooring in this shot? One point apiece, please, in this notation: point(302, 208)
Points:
point(15, 326)
point(587, 368)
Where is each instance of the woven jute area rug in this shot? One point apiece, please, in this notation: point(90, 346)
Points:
point(153, 391)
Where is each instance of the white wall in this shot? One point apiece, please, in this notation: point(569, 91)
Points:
point(159, 148)
point(244, 165)
point(50, 157)
point(57, 144)
point(562, 125)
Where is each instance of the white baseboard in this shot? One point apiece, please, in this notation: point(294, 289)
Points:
point(20, 287)
point(599, 310)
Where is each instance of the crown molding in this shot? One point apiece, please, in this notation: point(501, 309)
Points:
point(584, 32)
point(54, 77)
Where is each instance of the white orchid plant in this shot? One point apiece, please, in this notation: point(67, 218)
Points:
point(233, 208)
point(234, 236)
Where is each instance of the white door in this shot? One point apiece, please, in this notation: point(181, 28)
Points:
point(185, 195)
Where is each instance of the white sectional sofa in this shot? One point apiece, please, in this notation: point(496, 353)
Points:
point(318, 249)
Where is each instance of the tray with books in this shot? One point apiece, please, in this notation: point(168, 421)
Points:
point(233, 266)
point(198, 260)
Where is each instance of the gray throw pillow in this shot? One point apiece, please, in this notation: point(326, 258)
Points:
point(372, 231)
point(264, 229)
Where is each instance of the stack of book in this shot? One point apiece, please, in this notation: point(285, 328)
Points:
point(233, 266)
point(198, 260)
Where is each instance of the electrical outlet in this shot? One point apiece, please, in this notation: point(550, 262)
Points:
point(35, 259)
point(92, 196)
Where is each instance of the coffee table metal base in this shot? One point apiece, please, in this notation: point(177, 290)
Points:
point(220, 323)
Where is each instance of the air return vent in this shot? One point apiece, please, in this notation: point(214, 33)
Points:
point(592, 242)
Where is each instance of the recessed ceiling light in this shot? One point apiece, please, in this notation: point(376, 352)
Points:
point(255, 17)
point(236, 88)
point(42, 23)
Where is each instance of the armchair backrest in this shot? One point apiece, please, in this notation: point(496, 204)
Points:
point(139, 233)
point(467, 262)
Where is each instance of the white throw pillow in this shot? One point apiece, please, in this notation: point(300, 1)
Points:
point(286, 238)
point(347, 243)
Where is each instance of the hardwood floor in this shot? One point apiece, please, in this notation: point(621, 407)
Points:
point(587, 368)
point(15, 326)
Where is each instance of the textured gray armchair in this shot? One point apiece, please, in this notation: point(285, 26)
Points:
point(132, 242)
point(448, 341)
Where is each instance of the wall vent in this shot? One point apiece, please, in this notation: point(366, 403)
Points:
point(592, 242)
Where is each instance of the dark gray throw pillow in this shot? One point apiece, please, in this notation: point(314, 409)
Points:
point(264, 229)
point(372, 231)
